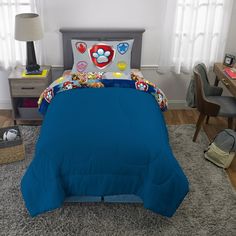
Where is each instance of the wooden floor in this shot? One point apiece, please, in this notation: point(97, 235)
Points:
point(172, 117)
point(216, 124)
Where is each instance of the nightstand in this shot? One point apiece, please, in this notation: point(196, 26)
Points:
point(26, 90)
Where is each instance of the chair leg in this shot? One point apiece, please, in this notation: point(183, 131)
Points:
point(216, 81)
point(207, 119)
point(230, 122)
point(198, 126)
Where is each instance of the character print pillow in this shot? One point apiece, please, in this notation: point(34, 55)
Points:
point(101, 56)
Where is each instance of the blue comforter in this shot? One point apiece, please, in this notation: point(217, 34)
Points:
point(101, 142)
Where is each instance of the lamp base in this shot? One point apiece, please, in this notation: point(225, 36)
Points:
point(32, 68)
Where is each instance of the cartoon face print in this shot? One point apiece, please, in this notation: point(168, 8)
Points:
point(48, 94)
point(122, 48)
point(101, 55)
point(141, 85)
point(81, 66)
point(159, 97)
point(76, 76)
point(122, 65)
point(81, 47)
point(67, 85)
point(81, 78)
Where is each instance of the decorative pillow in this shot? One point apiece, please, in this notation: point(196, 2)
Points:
point(101, 56)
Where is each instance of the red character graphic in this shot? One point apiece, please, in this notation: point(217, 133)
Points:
point(161, 99)
point(81, 47)
point(48, 94)
point(141, 85)
point(101, 55)
point(67, 85)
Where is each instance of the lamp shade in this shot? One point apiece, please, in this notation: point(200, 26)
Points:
point(28, 27)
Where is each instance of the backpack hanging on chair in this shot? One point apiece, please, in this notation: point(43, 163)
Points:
point(222, 150)
point(190, 96)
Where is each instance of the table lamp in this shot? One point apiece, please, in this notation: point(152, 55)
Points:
point(28, 28)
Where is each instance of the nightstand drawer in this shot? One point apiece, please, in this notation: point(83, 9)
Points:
point(27, 88)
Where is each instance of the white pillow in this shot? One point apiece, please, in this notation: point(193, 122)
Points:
point(101, 56)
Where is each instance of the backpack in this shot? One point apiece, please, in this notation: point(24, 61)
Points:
point(222, 150)
point(190, 96)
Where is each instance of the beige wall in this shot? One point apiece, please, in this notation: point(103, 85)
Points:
point(5, 102)
point(231, 42)
point(103, 14)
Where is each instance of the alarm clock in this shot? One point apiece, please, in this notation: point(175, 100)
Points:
point(229, 60)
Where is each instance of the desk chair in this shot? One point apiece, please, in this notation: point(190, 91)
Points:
point(209, 90)
point(211, 105)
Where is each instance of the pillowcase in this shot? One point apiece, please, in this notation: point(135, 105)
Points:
point(101, 56)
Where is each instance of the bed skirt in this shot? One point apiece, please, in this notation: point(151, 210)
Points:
point(124, 198)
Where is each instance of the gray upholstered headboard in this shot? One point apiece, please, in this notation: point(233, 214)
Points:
point(102, 35)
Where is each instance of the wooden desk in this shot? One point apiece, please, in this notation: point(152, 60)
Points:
point(229, 83)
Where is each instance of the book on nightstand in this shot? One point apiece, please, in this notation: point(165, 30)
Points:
point(43, 74)
point(231, 72)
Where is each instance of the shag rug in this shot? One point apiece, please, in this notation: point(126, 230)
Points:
point(208, 209)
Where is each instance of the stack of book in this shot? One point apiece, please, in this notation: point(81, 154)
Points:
point(43, 73)
point(231, 72)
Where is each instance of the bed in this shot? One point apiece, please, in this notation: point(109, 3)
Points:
point(109, 144)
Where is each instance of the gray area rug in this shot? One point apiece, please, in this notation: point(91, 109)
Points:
point(208, 209)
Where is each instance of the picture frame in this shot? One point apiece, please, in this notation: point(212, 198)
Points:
point(229, 60)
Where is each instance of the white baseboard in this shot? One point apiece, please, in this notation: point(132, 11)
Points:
point(177, 105)
point(149, 67)
point(5, 105)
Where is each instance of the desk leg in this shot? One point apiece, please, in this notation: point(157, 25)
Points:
point(230, 122)
point(216, 81)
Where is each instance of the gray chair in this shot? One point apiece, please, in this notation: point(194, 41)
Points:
point(211, 105)
point(209, 90)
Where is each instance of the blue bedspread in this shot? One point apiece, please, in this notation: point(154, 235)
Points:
point(100, 142)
